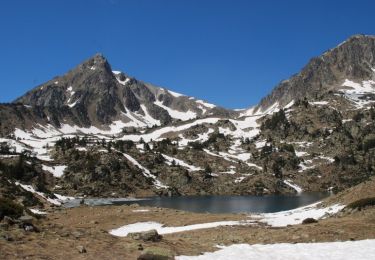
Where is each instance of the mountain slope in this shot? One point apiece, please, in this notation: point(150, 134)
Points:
point(354, 59)
point(93, 95)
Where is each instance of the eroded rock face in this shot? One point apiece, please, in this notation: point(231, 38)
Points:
point(353, 59)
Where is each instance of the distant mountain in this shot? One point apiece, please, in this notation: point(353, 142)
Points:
point(354, 59)
point(93, 95)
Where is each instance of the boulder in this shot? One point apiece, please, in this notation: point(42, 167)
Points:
point(81, 249)
point(309, 221)
point(151, 235)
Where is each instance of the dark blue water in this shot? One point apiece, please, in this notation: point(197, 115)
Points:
point(231, 204)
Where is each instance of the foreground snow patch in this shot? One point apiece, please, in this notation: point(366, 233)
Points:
point(296, 216)
point(161, 229)
point(364, 249)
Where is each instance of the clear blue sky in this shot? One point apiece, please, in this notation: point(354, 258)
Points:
point(229, 52)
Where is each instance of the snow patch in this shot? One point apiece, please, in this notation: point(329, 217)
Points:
point(297, 188)
point(359, 250)
point(181, 163)
point(161, 229)
point(296, 216)
point(57, 171)
point(209, 105)
point(184, 116)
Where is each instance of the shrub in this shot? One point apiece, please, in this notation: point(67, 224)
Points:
point(368, 144)
point(10, 209)
point(288, 148)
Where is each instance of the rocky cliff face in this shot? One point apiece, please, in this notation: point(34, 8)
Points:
point(93, 95)
point(354, 59)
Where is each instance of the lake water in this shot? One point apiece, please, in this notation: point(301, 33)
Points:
point(217, 204)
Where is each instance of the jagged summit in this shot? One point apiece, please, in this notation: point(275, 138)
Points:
point(96, 62)
point(92, 94)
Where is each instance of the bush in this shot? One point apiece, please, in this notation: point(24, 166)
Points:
point(10, 209)
point(288, 148)
point(196, 145)
point(362, 203)
point(368, 144)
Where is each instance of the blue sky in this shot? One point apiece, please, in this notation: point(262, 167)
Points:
point(229, 52)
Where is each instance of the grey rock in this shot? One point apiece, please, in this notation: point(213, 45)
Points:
point(151, 235)
point(81, 249)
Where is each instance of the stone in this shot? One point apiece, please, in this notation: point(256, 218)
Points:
point(81, 249)
point(151, 235)
point(156, 253)
point(76, 234)
point(26, 219)
point(309, 221)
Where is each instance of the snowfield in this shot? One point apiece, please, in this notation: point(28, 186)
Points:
point(350, 250)
point(296, 216)
point(161, 229)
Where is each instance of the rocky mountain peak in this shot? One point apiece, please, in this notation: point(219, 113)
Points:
point(353, 59)
point(96, 62)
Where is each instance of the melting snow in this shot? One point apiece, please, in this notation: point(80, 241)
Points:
point(319, 103)
point(297, 188)
point(38, 212)
point(57, 171)
point(150, 120)
point(59, 198)
point(209, 105)
point(357, 91)
point(177, 114)
point(181, 163)
point(296, 216)
point(359, 250)
point(175, 93)
point(146, 172)
point(161, 229)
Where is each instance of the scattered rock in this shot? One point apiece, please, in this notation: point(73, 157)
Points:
point(309, 221)
point(140, 247)
point(156, 253)
point(151, 235)
point(81, 249)
point(77, 234)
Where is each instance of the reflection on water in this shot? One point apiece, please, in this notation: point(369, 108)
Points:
point(231, 204)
